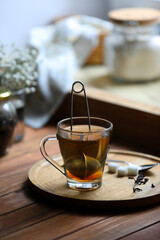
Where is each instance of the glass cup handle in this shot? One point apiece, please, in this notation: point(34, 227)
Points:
point(45, 154)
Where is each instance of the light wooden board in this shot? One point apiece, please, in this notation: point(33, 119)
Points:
point(115, 192)
point(144, 95)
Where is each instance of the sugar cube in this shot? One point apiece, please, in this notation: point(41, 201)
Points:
point(133, 170)
point(112, 167)
point(122, 171)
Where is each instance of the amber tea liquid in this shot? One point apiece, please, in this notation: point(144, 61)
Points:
point(84, 155)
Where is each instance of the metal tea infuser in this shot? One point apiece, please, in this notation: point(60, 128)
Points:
point(55, 137)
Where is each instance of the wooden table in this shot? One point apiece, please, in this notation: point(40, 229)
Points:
point(25, 215)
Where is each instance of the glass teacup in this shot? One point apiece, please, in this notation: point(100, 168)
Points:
point(84, 151)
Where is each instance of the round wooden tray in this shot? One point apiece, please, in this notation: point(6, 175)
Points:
point(115, 192)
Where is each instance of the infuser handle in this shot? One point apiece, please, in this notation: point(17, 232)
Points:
point(45, 154)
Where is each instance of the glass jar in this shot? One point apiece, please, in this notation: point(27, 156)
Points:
point(18, 100)
point(133, 52)
point(8, 120)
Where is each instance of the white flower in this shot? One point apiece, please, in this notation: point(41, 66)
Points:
point(18, 68)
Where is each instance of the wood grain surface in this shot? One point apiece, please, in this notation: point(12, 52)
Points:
point(26, 215)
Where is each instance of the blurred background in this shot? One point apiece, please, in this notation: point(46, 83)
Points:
point(19, 16)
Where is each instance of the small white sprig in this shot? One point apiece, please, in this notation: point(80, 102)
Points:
point(18, 68)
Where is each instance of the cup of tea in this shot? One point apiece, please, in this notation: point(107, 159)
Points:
point(84, 150)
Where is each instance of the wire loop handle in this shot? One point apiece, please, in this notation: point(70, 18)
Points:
point(86, 100)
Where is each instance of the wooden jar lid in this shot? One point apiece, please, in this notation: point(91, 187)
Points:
point(129, 16)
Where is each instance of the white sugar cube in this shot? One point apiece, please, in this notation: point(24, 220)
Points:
point(133, 170)
point(112, 167)
point(122, 171)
